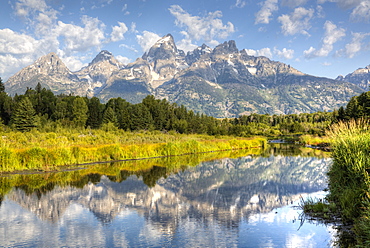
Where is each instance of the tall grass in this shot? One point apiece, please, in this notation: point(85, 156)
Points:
point(35, 150)
point(312, 140)
point(349, 180)
point(115, 171)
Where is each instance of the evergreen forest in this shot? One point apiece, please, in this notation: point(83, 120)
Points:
point(41, 109)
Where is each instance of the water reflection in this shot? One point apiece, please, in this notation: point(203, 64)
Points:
point(221, 203)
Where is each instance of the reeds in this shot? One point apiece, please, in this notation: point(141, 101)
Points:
point(115, 171)
point(313, 140)
point(35, 150)
point(349, 180)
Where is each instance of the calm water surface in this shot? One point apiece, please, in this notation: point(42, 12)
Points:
point(242, 202)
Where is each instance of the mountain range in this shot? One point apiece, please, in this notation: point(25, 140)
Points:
point(221, 82)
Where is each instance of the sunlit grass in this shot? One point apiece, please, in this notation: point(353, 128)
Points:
point(349, 180)
point(116, 171)
point(39, 150)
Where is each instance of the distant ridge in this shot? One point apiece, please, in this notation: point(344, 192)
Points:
point(360, 77)
point(222, 82)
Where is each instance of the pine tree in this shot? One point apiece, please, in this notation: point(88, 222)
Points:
point(79, 112)
point(141, 117)
point(110, 116)
point(95, 113)
point(2, 87)
point(24, 117)
point(61, 110)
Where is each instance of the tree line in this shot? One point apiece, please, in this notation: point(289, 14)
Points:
point(40, 108)
point(357, 107)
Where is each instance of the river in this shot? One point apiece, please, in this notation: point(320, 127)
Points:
point(247, 201)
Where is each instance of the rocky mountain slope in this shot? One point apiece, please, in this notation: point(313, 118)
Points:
point(222, 82)
point(360, 77)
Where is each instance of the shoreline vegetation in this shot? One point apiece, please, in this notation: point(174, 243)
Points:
point(40, 130)
point(45, 151)
point(149, 169)
point(349, 184)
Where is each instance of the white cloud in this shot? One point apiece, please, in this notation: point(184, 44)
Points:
point(73, 63)
point(118, 32)
point(131, 48)
point(186, 45)
point(81, 39)
point(123, 60)
point(264, 14)
point(296, 22)
point(326, 64)
point(308, 53)
point(239, 4)
point(344, 4)
point(124, 8)
point(15, 43)
point(293, 3)
point(262, 52)
point(99, 3)
point(332, 35)
point(361, 12)
point(44, 23)
point(17, 51)
point(355, 46)
point(37, 14)
point(133, 28)
point(69, 40)
point(206, 28)
point(361, 8)
point(10, 64)
point(285, 53)
point(147, 40)
point(24, 8)
point(320, 11)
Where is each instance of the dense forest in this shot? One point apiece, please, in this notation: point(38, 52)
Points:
point(357, 107)
point(41, 109)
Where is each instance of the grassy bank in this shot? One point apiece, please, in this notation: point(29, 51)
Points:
point(150, 170)
point(44, 150)
point(349, 181)
point(313, 140)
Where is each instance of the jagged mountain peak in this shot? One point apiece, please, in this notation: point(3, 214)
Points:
point(226, 47)
point(340, 78)
point(222, 82)
point(49, 64)
point(365, 70)
point(51, 55)
point(360, 77)
point(50, 71)
point(164, 48)
point(168, 38)
point(102, 56)
point(193, 56)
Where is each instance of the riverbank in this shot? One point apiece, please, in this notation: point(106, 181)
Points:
point(349, 181)
point(46, 150)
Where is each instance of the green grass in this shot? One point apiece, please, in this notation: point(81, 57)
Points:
point(116, 171)
point(313, 140)
point(349, 181)
point(319, 209)
point(45, 150)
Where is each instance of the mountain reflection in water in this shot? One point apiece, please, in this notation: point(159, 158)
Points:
point(209, 205)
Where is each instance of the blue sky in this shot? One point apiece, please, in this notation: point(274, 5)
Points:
point(321, 37)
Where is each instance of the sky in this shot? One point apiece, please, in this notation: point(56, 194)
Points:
point(321, 37)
